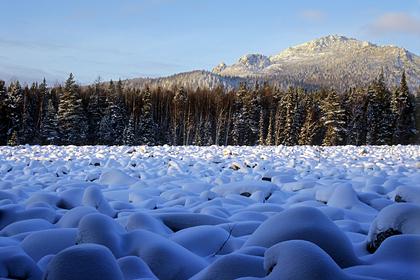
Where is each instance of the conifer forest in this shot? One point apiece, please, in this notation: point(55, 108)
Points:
point(253, 114)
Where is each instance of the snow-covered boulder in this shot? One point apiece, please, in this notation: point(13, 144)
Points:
point(178, 221)
point(87, 261)
point(93, 197)
point(397, 258)
point(115, 177)
point(72, 217)
point(232, 266)
point(246, 188)
point(407, 194)
point(145, 221)
point(46, 242)
point(16, 264)
point(218, 241)
point(167, 259)
point(305, 223)
point(301, 260)
point(398, 218)
point(135, 268)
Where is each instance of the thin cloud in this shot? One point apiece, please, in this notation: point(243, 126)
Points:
point(313, 15)
point(392, 23)
point(30, 45)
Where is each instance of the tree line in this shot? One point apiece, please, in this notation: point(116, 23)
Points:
point(258, 114)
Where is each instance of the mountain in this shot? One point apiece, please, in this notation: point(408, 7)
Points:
point(333, 60)
point(193, 79)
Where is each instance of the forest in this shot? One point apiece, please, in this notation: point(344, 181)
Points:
point(253, 114)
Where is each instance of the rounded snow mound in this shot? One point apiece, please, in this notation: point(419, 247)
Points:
point(246, 188)
point(116, 177)
point(300, 260)
point(305, 223)
point(84, 262)
point(232, 266)
point(16, 264)
point(398, 218)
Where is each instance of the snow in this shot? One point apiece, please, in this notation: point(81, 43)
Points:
point(209, 212)
point(86, 261)
point(305, 223)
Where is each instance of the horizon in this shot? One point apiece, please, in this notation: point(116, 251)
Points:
point(158, 38)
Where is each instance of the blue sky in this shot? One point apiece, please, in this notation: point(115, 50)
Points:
point(132, 38)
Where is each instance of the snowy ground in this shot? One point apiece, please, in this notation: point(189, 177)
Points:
point(210, 212)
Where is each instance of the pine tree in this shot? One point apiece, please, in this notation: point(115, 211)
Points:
point(403, 109)
point(334, 121)
point(71, 116)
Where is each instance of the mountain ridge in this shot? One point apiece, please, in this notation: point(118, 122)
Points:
point(331, 61)
point(315, 60)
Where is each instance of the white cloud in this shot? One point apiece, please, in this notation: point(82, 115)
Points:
point(395, 23)
point(313, 15)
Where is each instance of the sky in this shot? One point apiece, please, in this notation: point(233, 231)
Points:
point(115, 39)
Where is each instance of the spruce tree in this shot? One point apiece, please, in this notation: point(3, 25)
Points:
point(14, 106)
point(207, 135)
point(49, 124)
point(292, 118)
point(269, 136)
point(179, 102)
point(95, 111)
point(310, 127)
point(129, 135)
point(148, 128)
point(372, 117)
point(113, 122)
point(27, 133)
point(239, 125)
point(279, 123)
point(386, 118)
point(379, 119)
point(253, 109)
point(334, 121)
point(71, 115)
point(3, 117)
point(417, 117)
point(403, 109)
point(261, 129)
point(356, 126)
point(13, 139)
